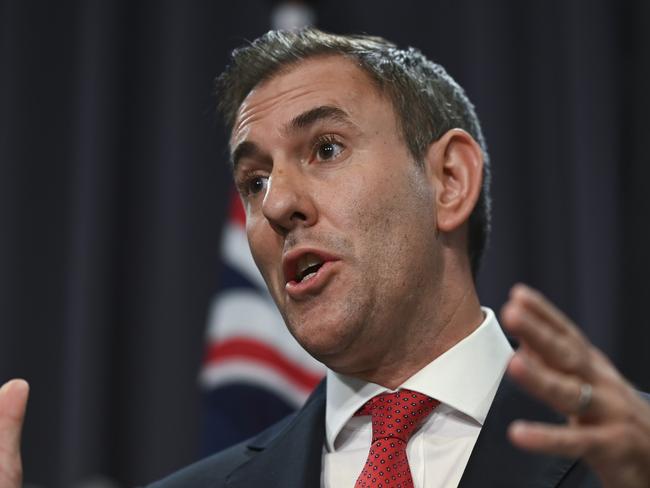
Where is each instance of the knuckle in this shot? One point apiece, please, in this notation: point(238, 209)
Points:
point(572, 357)
point(569, 446)
point(600, 444)
point(551, 389)
point(623, 433)
point(569, 358)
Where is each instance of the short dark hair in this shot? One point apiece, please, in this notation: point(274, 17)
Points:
point(427, 101)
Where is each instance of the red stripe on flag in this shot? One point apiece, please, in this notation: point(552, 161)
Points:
point(260, 352)
point(237, 212)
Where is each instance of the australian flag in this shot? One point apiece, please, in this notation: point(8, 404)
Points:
point(254, 371)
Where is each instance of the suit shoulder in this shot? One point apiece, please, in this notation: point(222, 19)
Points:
point(214, 470)
point(211, 471)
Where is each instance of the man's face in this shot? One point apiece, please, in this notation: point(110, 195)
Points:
point(340, 219)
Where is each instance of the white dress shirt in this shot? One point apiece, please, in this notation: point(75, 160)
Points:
point(464, 379)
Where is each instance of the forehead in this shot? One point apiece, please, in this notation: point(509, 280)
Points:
point(317, 81)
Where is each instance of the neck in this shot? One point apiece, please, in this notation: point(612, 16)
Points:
point(449, 313)
point(451, 328)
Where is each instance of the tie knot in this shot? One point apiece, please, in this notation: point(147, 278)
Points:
point(397, 414)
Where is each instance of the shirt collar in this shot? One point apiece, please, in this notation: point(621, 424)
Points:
point(465, 378)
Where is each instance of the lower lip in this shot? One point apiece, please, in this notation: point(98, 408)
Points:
point(314, 285)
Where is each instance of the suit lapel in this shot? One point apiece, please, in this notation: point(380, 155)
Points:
point(291, 456)
point(496, 462)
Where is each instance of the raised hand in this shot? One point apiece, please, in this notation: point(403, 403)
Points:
point(608, 422)
point(13, 402)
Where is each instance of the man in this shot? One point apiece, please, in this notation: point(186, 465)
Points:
point(364, 176)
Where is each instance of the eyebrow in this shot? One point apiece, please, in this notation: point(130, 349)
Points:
point(298, 123)
point(314, 115)
point(245, 149)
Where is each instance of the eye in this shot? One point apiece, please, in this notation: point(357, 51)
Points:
point(328, 148)
point(252, 183)
point(256, 184)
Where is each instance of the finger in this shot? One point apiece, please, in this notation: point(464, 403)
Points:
point(563, 440)
point(564, 393)
point(13, 403)
point(562, 350)
point(535, 302)
point(613, 444)
point(619, 454)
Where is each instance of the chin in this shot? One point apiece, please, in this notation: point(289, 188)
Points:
point(322, 340)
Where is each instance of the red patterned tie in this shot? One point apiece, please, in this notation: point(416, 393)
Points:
point(395, 416)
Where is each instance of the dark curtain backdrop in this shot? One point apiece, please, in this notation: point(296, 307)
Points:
point(113, 187)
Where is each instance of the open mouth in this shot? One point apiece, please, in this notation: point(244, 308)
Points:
point(302, 265)
point(307, 267)
point(307, 272)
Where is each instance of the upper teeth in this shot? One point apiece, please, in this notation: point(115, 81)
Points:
point(305, 262)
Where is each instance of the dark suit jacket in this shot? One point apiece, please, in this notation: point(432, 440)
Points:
point(288, 455)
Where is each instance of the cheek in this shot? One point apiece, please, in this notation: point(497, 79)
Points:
point(396, 218)
point(380, 204)
point(262, 245)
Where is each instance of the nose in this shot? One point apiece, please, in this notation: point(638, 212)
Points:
point(288, 202)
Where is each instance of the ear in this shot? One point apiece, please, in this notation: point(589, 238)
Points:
point(455, 163)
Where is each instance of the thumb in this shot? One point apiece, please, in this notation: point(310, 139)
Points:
point(13, 403)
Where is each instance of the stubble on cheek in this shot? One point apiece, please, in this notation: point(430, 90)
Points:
point(369, 311)
point(400, 230)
